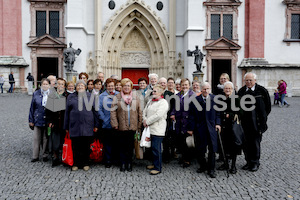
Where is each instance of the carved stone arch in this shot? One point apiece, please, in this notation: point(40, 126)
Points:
point(136, 15)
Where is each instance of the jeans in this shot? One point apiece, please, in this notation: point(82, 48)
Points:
point(156, 142)
point(11, 87)
point(283, 101)
point(1, 84)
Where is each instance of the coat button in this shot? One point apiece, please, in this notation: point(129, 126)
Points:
point(44, 117)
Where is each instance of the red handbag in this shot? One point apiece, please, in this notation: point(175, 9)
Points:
point(96, 151)
point(67, 155)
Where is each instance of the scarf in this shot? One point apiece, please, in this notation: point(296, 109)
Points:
point(143, 91)
point(159, 98)
point(45, 96)
point(70, 91)
point(127, 99)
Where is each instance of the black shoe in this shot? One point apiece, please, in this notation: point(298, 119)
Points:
point(122, 169)
point(233, 170)
point(201, 170)
point(254, 168)
point(35, 160)
point(246, 167)
point(212, 174)
point(129, 167)
point(55, 162)
point(222, 167)
point(108, 165)
point(186, 164)
point(220, 160)
point(45, 159)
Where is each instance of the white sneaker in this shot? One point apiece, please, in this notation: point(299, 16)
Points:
point(74, 168)
point(86, 168)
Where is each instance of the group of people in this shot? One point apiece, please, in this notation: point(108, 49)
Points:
point(11, 80)
point(280, 93)
point(174, 111)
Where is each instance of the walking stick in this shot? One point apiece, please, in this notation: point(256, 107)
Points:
point(225, 159)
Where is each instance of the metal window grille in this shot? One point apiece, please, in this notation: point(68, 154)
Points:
point(295, 26)
point(54, 23)
point(40, 23)
point(227, 26)
point(215, 26)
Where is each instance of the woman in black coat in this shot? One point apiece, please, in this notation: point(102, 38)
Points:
point(227, 118)
point(81, 121)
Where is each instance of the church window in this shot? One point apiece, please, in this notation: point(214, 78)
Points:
point(47, 22)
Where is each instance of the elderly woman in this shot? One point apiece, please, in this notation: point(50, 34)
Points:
point(181, 118)
point(177, 85)
point(223, 78)
point(153, 80)
point(196, 87)
point(83, 76)
point(227, 117)
point(126, 117)
point(70, 87)
point(109, 134)
point(37, 120)
point(143, 93)
point(118, 86)
point(81, 121)
point(56, 121)
point(154, 116)
point(90, 85)
point(97, 87)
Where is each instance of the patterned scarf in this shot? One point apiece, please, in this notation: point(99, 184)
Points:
point(45, 96)
point(128, 98)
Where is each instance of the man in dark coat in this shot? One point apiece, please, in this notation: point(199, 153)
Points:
point(254, 122)
point(203, 123)
point(11, 82)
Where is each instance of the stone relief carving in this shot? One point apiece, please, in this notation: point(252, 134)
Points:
point(135, 41)
point(134, 58)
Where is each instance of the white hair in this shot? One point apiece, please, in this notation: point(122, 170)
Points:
point(229, 83)
point(250, 73)
point(162, 79)
point(153, 74)
point(178, 81)
point(204, 84)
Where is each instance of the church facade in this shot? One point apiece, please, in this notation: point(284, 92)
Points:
point(131, 38)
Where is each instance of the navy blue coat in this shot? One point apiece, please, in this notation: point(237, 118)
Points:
point(202, 121)
point(80, 123)
point(37, 114)
point(181, 116)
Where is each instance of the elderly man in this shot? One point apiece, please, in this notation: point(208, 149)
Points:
point(204, 121)
point(254, 121)
point(153, 80)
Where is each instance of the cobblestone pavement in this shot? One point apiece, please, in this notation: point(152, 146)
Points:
point(277, 178)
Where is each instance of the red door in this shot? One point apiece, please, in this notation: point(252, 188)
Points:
point(134, 74)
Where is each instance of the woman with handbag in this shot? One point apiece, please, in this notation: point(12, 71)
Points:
point(81, 121)
point(154, 116)
point(38, 121)
point(126, 118)
point(228, 117)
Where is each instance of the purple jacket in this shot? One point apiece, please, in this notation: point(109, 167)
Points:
point(282, 88)
point(181, 116)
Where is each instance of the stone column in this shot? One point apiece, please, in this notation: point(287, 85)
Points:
point(98, 37)
point(172, 40)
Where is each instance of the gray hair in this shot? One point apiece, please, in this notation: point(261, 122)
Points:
point(162, 79)
point(178, 81)
point(153, 74)
point(80, 81)
point(250, 73)
point(204, 84)
point(229, 83)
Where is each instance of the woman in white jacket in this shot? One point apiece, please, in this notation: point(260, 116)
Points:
point(154, 116)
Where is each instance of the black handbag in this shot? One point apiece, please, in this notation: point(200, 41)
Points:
point(238, 132)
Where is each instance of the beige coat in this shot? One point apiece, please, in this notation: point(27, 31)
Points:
point(155, 114)
point(119, 114)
